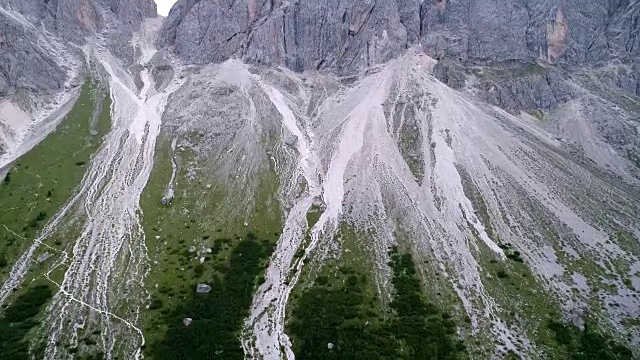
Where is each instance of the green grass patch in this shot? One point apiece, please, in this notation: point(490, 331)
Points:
point(337, 318)
point(201, 237)
point(17, 321)
point(538, 114)
point(425, 331)
point(42, 180)
point(525, 304)
point(217, 315)
point(509, 72)
point(588, 343)
point(481, 211)
point(313, 215)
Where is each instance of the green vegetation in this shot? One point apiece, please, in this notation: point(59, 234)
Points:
point(588, 344)
point(538, 114)
point(510, 253)
point(511, 283)
point(17, 321)
point(313, 215)
point(512, 356)
point(510, 72)
point(201, 237)
point(45, 178)
point(337, 319)
point(411, 140)
point(217, 315)
point(481, 211)
point(424, 330)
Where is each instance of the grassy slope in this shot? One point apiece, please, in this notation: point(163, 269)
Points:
point(42, 180)
point(179, 236)
point(17, 321)
point(338, 317)
point(39, 183)
point(525, 302)
point(46, 177)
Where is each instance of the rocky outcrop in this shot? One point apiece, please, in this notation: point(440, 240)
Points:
point(345, 35)
point(74, 19)
point(554, 31)
point(511, 86)
point(24, 64)
point(349, 35)
point(27, 61)
point(133, 12)
point(529, 88)
point(491, 30)
point(622, 77)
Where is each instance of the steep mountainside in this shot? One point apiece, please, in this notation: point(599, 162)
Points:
point(353, 34)
point(306, 179)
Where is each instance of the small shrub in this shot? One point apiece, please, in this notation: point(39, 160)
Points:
point(515, 257)
point(41, 216)
point(198, 270)
point(322, 280)
point(155, 304)
point(502, 274)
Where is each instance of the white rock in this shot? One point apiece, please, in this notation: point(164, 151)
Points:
point(203, 288)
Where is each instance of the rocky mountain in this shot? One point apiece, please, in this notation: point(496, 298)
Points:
point(269, 179)
point(348, 36)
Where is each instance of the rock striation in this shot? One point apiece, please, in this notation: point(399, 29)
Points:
point(41, 60)
point(25, 63)
point(349, 35)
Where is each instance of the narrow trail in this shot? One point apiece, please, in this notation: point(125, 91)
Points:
point(102, 288)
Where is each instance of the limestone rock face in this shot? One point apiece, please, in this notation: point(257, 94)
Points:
point(352, 34)
point(73, 19)
point(133, 12)
point(23, 64)
point(41, 60)
point(554, 31)
point(345, 35)
point(26, 63)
